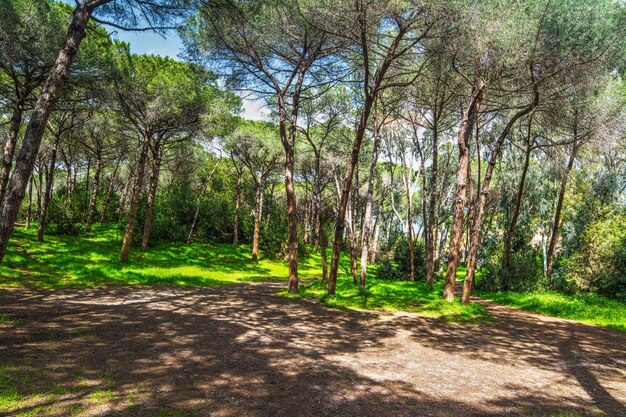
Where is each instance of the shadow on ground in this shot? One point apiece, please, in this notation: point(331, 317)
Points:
point(241, 351)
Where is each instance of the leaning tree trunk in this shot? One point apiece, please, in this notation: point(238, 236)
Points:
point(258, 213)
point(154, 182)
point(94, 192)
point(34, 132)
point(557, 212)
point(345, 194)
point(367, 223)
point(134, 199)
point(9, 148)
point(465, 133)
point(47, 197)
point(482, 200)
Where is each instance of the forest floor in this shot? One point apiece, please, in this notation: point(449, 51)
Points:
point(240, 350)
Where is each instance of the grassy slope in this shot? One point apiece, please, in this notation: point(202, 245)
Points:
point(591, 309)
point(65, 261)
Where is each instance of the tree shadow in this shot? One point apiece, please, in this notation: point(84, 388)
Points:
point(239, 350)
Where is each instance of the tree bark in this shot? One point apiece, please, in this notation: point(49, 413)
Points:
point(237, 208)
point(430, 224)
point(107, 199)
point(9, 148)
point(154, 182)
point(47, 197)
point(367, 222)
point(409, 217)
point(135, 198)
point(258, 212)
point(29, 209)
point(94, 192)
point(482, 200)
point(508, 246)
point(34, 132)
point(554, 238)
point(465, 133)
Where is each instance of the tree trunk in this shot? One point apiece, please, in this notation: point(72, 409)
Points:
point(465, 133)
point(154, 182)
point(345, 193)
point(322, 239)
point(9, 148)
point(237, 208)
point(135, 198)
point(557, 213)
point(352, 242)
point(48, 193)
point(29, 211)
point(258, 212)
point(482, 200)
point(107, 199)
point(508, 247)
point(409, 218)
point(376, 236)
point(317, 199)
point(34, 132)
point(39, 188)
point(94, 192)
point(430, 224)
point(367, 222)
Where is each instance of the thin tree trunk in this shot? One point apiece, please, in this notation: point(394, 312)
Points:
point(322, 239)
point(237, 208)
point(48, 193)
point(154, 182)
point(135, 198)
point(94, 192)
point(367, 222)
point(9, 148)
point(516, 210)
point(258, 212)
point(465, 133)
point(352, 242)
point(317, 199)
point(409, 218)
point(107, 200)
point(482, 200)
point(376, 236)
point(29, 212)
point(34, 132)
point(430, 224)
point(39, 188)
point(557, 213)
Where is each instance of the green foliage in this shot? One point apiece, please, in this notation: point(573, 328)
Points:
point(599, 263)
point(524, 273)
point(401, 266)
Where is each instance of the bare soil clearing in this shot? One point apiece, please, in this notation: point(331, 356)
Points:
point(239, 350)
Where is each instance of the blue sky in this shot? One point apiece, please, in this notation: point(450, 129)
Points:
point(171, 45)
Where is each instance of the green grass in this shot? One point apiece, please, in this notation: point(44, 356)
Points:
point(415, 297)
point(591, 309)
point(67, 261)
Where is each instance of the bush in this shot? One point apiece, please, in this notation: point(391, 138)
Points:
point(387, 271)
point(525, 272)
point(599, 263)
point(401, 266)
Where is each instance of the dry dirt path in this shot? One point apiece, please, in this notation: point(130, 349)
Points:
point(239, 350)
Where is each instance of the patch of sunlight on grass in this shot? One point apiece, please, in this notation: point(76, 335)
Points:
point(415, 297)
point(591, 309)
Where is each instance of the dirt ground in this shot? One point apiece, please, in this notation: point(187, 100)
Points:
point(239, 350)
